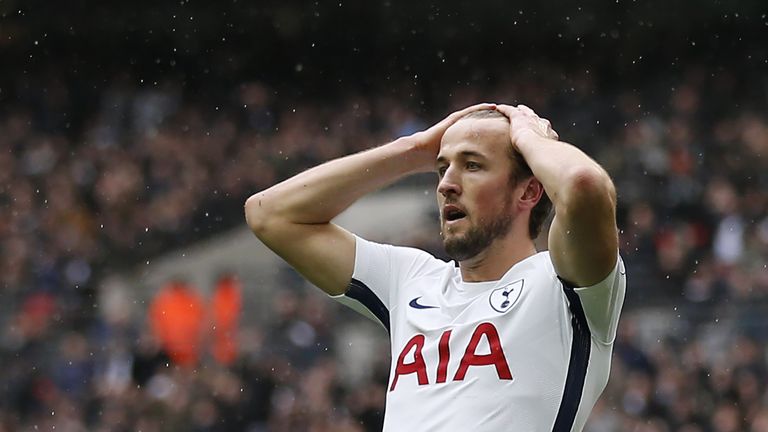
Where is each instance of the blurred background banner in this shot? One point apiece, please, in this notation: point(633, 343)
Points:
point(131, 134)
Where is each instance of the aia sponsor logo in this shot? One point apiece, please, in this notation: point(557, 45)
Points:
point(470, 357)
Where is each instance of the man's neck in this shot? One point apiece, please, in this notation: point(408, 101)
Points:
point(492, 263)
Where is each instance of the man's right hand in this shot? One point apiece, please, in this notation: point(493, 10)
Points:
point(426, 143)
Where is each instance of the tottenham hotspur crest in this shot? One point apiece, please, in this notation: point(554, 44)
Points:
point(502, 299)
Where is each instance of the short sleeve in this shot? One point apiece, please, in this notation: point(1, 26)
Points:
point(602, 303)
point(380, 270)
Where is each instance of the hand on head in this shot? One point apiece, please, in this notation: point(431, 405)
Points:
point(428, 141)
point(524, 121)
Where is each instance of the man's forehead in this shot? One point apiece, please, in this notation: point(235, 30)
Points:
point(477, 131)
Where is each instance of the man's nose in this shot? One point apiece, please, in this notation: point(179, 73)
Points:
point(448, 185)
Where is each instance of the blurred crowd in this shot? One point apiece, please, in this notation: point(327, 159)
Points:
point(151, 168)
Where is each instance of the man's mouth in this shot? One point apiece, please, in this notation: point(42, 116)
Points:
point(453, 213)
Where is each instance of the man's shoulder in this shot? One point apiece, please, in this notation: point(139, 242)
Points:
point(536, 270)
point(402, 254)
point(537, 263)
point(364, 242)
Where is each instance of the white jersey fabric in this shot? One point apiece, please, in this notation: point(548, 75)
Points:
point(524, 353)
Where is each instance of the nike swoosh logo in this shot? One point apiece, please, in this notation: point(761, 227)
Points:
point(415, 304)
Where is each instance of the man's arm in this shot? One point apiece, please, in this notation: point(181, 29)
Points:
point(583, 238)
point(293, 218)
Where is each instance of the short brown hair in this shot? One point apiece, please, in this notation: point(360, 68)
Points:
point(520, 171)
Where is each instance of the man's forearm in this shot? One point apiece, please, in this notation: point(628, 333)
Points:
point(318, 195)
point(565, 171)
point(583, 239)
point(293, 217)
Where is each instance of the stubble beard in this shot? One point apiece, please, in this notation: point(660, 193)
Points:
point(477, 238)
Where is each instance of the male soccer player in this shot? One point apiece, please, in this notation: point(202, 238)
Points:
point(511, 339)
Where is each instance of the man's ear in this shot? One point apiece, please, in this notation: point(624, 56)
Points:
point(531, 194)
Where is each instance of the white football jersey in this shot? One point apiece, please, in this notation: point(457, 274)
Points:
point(525, 353)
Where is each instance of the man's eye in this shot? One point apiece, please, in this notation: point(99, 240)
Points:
point(441, 170)
point(473, 166)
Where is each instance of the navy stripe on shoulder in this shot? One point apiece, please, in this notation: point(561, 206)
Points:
point(577, 365)
point(360, 292)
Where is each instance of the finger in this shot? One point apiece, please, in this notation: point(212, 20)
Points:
point(551, 133)
point(526, 110)
point(507, 110)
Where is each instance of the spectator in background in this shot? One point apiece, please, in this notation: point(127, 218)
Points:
point(177, 317)
point(225, 310)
